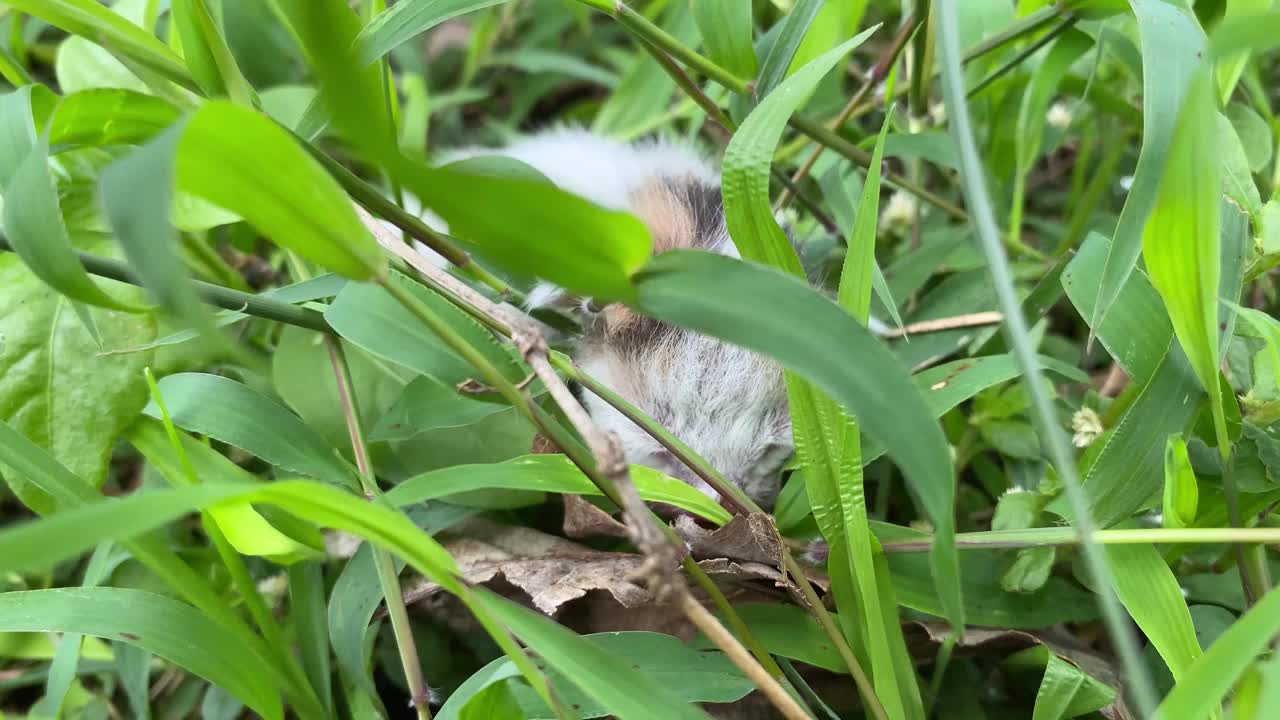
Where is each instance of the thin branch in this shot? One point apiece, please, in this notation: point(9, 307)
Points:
point(877, 75)
point(226, 298)
point(388, 581)
point(1061, 536)
point(956, 322)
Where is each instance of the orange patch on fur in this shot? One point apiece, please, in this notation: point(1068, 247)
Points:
point(667, 215)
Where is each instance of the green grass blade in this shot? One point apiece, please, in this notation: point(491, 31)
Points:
point(306, 603)
point(94, 21)
point(166, 627)
point(238, 415)
point(268, 179)
point(801, 329)
point(1172, 45)
point(108, 117)
point(406, 20)
point(973, 180)
point(745, 183)
point(789, 36)
point(549, 473)
point(1205, 684)
point(726, 32)
point(603, 676)
point(1181, 238)
point(32, 218)
point(206, 52)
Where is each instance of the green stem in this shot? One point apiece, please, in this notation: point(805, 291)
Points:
point(388, 579)
point(1058, 536)
point(972, 174)
point(1022, 55)
point(216, 295)
point(939, 672)
point(234, 563)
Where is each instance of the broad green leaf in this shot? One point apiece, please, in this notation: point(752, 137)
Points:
point(789, 631)
point(1181, 494)
point(1258, 32)
point(603, 676)
point(802, 329)
point(1173, 46)
point(405, 20)
point(367, 316)
point(1065, 690)
point(32, 215)
point(1267, 328)
point(745, 185)
point(691, 675)
point(108, 117)
point(790, 33)
point(427, 404)
point(68, 533)
point(726, 32)
point(92, 20)
point(1228, 70)
point(1237, 182)
point(1254, 133)
point(166, 627)
point(247, 530)
point(1204, 685)
point(54, 380)
point(238, 415)
point(264, 176)
point(550, 473)
point(1151, 594)
point(356, 595)
point(1181, 240)
point(307, 611)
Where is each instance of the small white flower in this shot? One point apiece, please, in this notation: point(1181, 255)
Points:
point(938, 113)
point(1059, 116)
point(900, 211)
point(1086, 425)
point(1126, 182)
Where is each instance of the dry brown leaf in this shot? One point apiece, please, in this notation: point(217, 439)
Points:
point(584, 520)
point(749, 538)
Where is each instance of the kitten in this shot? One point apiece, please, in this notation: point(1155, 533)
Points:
point(727, 403)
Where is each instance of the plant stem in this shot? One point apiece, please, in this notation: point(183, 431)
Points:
point(388, 580)
point(1057, 536)
point(216, 295)
point(972, 174)
point(1025, 53)
point(874, 78)
point(737, 654)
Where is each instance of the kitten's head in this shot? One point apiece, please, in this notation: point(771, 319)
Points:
point(727, 403)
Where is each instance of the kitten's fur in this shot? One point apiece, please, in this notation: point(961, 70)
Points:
point(728, 404)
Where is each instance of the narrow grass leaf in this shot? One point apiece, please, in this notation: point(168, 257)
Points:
point(602, 676)
point(307, 611)
point(238, 415)
point(745, 184)
point(549, 473)
point(1204, 686)
point(726, 32)
point(792, 31)
point(1182, 236)
point(369, 317)
point(1151, 594)
point(240, 160)
point(802, 330)
point(108, 117)
point(206, 52)
point(247, 530)
point(1173, 46)
point(406, 20)
point(170, 629)
point(32, 217)
point(94, 21)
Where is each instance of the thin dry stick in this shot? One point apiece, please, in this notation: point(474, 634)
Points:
point(956, 322)
point(662, 557)
point(877, 75)
point(712, 628)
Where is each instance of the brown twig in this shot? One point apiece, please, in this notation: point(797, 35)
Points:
point(957, 322)
point(663, 552)
point(876, 76)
